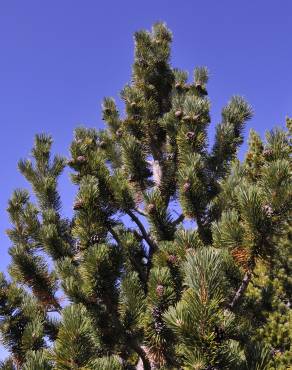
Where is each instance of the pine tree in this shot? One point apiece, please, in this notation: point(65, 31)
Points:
point(176, 257)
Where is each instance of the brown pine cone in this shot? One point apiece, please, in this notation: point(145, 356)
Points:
point(81, 159)
point(190, 135)
point(172, 259)
point(78, 205)
point(186, 187)
point(160, 290)
point(151, 208)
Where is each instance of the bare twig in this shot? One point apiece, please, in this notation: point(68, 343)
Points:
point(240, 291)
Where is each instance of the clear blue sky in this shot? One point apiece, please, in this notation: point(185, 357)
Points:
point(60, 58)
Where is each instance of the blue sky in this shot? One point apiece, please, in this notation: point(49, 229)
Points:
point(60, 58)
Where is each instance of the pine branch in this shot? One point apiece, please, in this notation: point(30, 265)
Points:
point(241, 290)
point(143, 356)
point(141, 212)
point(179, 220)
point(146, 237)
point(138, 267)
point(115, 236)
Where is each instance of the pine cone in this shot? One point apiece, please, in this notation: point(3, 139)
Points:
point(119, 132)
point(94, 239)
point(178, 113)
point(186, 187)
point(81, 159)
point(133, 104)
point(157, 318)
point(172, 259)
point(200, 88)
point(178, 85)
point(151, 208)
point(106, 110)
point(78, 205)
point(156, 312)
point(190, 135)
point(160, 290)
point(159, 326)
point(267, 153)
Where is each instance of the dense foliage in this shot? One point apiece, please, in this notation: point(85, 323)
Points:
point(177, 256)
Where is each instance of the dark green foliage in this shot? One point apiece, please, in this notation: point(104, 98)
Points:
point(76, 342)
point(176, 257)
